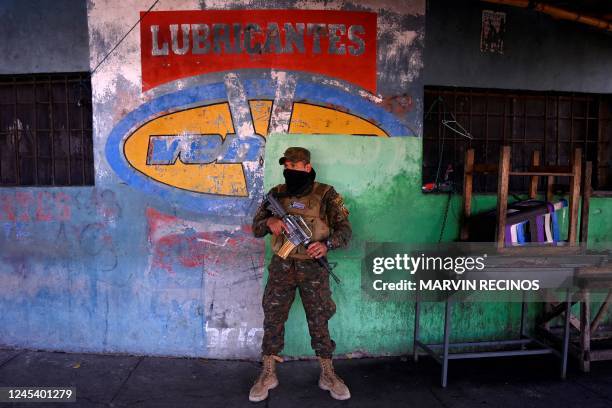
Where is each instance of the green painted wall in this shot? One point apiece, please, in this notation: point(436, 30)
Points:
point(380, 180)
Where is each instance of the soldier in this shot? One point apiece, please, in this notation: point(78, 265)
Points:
point(323, 210)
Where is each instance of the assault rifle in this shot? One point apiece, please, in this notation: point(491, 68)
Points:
point(298, 232)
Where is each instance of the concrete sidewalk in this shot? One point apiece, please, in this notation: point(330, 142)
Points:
point(133, 381)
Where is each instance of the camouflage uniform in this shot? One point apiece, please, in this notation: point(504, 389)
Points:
point(305, 274)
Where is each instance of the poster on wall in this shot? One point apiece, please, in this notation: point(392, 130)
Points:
point(492, 31)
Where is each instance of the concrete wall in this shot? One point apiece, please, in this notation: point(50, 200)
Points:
point(158, 257)
point(541, 53)
point(43, 36)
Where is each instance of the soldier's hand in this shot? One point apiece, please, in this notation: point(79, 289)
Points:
point(317, 250)
point(276, 225)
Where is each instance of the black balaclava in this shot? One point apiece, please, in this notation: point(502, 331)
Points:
point(298, 182)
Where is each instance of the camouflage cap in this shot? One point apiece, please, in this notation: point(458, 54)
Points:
point(295, 154)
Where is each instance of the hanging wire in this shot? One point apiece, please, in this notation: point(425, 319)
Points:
point(124, 36)
point(450, 124)
point(455, 127)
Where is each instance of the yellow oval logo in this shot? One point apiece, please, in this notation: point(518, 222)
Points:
point(197, 149)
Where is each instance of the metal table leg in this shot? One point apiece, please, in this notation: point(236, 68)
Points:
point(417, 313)
point(566, 334)
point(585, 331)
point(523, 317)
point(445, 347)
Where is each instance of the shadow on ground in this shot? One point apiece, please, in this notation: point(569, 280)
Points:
point(133, 381)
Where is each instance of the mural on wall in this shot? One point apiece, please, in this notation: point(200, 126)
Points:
point(183, 110)
point(203, 144)
point(158, 257)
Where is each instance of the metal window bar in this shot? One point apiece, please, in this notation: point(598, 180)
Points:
point(68, 131)
point(35, 133)
point(575, 119)
point(15, 132)
point(52, 133)
point(18, 129)
point(82, 123)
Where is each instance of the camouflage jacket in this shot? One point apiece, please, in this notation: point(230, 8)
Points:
point(332, 210)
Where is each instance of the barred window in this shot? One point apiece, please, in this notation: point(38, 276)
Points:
point(554, 123)
point(46, 130)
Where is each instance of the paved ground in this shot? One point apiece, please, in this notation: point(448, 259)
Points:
point(133, 381)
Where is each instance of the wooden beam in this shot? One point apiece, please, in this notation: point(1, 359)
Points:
point(586, 202)
point(502, 194)
point(485, 168)
point(601, 355)
point(550, 184)
point(574, 195)
point(468, 179)
point(557, 12)
point(550, 169)
point(533, 185)
point(556, 310)
point(540, 173)
point(603, 142)
point(601, 313)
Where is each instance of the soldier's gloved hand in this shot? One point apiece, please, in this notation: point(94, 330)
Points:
point(276, 225)
point(317, 250)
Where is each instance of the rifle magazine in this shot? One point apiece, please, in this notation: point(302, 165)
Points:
point(285, 249)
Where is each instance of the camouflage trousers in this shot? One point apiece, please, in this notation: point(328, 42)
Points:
point(313, 283)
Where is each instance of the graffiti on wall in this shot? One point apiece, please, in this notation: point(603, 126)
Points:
point(208, 247)
point(228, 337)
point(26, 206)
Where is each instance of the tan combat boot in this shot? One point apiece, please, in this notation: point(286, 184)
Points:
point(329, 381)
point(267, 379)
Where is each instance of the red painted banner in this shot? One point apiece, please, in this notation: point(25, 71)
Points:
point(180, 44)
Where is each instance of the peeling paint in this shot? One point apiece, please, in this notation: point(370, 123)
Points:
point(137, 264)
